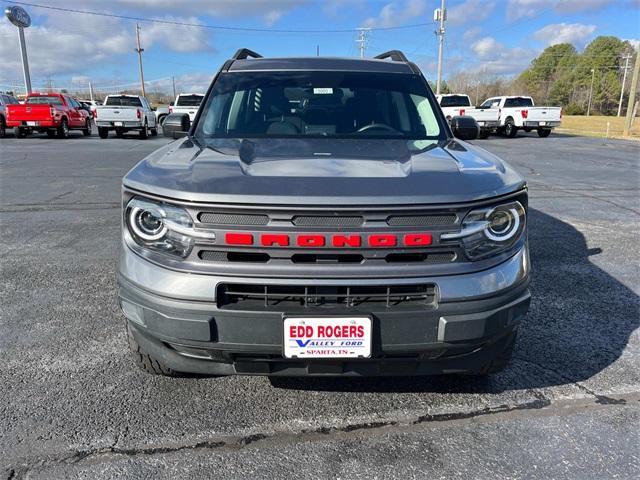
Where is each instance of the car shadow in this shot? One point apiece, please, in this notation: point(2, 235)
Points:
point(579, 323)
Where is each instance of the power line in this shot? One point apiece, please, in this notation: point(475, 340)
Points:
point(208, 26)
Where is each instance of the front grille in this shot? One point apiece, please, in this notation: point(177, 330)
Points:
point(327, 221)
point(217, 218)
point(292, 297)
point(421, 220)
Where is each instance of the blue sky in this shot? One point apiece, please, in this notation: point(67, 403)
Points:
point(495, 37)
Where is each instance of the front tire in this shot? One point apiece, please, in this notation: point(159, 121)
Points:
point(63, 129)
point(510, 129)
point(103, 132)
point(544, 132)
point(144, 361)
point(19, 132)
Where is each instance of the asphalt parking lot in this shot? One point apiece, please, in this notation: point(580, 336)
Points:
point(73, 405)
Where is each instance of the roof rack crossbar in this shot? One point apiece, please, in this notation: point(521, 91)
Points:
point(395, 55)
point(244, 53)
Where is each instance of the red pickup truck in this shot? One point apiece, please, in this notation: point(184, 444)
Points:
point(53, 113)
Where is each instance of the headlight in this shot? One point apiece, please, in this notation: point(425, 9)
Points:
point(162, 227)
point(490, 231)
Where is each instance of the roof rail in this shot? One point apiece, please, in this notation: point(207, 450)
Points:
point(395, 55)
point(244, 53)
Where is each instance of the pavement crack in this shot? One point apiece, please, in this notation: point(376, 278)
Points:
point(232, 443)
point(600, 399)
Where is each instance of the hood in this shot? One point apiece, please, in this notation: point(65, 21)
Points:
point(324, 172)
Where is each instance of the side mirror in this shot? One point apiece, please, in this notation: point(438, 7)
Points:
point(465, 128)
point(176, 125)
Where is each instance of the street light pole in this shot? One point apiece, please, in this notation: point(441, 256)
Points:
point(632, 96)
point(593, 75)
point(140, 50)
point(440, 15)
point(624, 80)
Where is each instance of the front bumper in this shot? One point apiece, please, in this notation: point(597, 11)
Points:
point(174, 316)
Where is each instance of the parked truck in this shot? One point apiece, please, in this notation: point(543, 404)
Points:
point(5, 99)
point(321, 217)
point(124, 113)
point(520, 113)
point(187, 103)
point(488, 118)
point(53, 113)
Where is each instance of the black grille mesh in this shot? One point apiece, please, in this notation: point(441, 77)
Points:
point(233, 218)
point(327, 221)
point(421, 220)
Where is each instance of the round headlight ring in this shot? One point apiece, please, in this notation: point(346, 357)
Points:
point(507, 221)
point(146, 224)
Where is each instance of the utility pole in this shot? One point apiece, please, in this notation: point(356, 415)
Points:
point(593, 75)
point(624, 80)
point(173, 82)
point(140, 50)
point(362, 40)
point(90, 91)
point(632, 96)
point(440, 14)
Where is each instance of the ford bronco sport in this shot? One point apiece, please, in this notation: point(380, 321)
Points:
point(320, 217)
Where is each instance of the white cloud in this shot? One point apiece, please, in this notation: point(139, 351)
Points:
point(495, 58)
point(517, 9)
point(469, 11)
point(574, 33)
point(267, 9)
point(397, 13)
point(56, 47)
point(635, 42)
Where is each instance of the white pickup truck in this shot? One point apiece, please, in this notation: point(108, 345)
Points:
point(519, 112)
point(124, 113)
point(187, 103)
point(457, 104)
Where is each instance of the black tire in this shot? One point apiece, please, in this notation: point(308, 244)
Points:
point(3, 128)
point(144, 132)
point(146, 362)
point(86, 131)
point(103, 132)
point(119, 132)
point(19, 132)
point(63, 129)
point(510, 129)
point(544, 132)
point(154, 132)
point(501, 361)
point(51, 133)
point(483, 134)
point(161, 119)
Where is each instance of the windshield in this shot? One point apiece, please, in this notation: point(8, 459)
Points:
point(123, 102)
point(44, 100)
point(189, 100)
point(455, 101)
point(319, 104)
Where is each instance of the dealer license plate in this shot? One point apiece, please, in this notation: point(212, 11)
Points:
point(117, 124)
point(32, 124)
point(327, 337)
